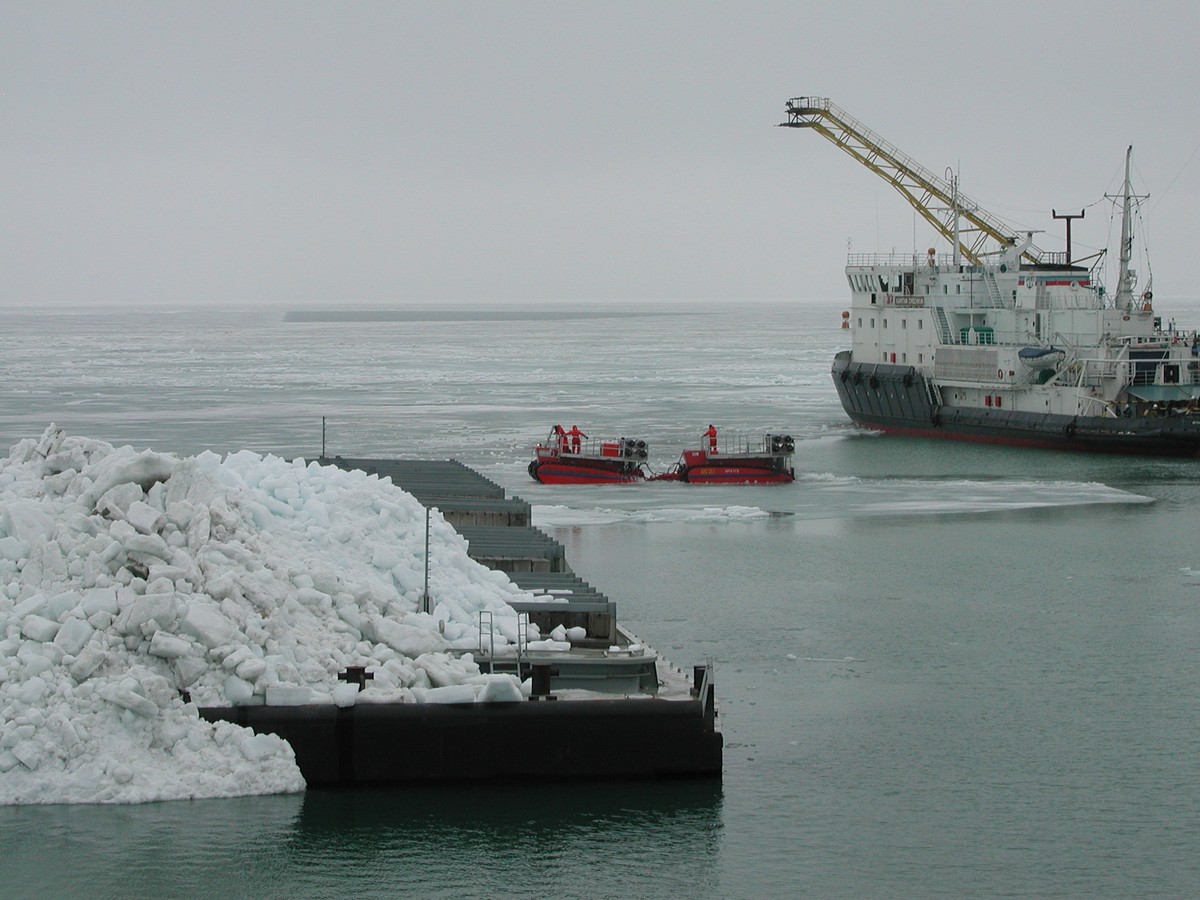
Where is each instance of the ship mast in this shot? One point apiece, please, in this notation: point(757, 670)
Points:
point(1124, 298)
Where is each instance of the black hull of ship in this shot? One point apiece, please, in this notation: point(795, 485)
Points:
point(897, 400)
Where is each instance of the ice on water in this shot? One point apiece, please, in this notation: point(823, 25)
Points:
point(133, 580)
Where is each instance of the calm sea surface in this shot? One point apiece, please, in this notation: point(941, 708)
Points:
point(942, 670)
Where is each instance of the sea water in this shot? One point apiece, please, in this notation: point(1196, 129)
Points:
point(942, 669)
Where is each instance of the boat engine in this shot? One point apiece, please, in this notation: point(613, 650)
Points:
point(781, 443)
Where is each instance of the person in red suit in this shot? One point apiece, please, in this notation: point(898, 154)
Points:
point(575, 434)
point(711, 434)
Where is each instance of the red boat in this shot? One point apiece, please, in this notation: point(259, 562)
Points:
point(566, 458)
point(770, 463)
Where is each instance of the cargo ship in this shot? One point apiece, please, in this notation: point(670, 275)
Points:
point(998, 341)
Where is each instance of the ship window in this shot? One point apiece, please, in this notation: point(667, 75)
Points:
point(860, 321)
point(958, 289)
point(920, 324)
point(920, 357)
point(904, 323)
point(872, 298)
point(903, 357)
point(872, 323)
point(885, 323)
point(997, 400)
point(883, 283)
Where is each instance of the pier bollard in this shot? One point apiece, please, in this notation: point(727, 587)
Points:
point(540, 674)
point(357, 675)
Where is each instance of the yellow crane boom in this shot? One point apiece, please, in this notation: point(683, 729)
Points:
point(964, 222)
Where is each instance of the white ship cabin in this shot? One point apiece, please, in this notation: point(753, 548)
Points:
point(1039, 338)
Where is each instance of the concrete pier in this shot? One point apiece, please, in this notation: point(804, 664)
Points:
point(620, 711)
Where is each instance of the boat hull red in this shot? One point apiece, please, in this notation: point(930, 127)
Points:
point(736, 474)
point(583, 472)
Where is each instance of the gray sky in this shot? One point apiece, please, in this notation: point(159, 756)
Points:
point(349, 153)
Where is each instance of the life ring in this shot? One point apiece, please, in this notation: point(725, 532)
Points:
point(1147, 296)
point(1000, 374)
point(1074, 285)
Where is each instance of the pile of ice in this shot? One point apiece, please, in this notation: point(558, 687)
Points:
point(138, 586)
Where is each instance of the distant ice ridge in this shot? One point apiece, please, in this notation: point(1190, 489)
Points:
point(128, 578)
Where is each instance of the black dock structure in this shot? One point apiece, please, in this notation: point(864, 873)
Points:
point(618, 712)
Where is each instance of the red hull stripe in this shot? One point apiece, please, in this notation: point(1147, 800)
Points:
point(1133, 449)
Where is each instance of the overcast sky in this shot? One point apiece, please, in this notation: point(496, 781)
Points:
point(374, 152)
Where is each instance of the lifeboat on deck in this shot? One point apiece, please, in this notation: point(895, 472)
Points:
point(770, 463)
point(562, 460)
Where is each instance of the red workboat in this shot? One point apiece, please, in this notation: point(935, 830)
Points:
point(571, 457)
point(750, 462)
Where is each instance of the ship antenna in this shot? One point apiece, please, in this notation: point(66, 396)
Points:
point(953, 179)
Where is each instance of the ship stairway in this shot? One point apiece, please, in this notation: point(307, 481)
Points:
point(943, 326)
point(934, 393)
point(993, 289)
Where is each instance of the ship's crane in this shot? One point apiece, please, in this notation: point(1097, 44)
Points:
point(928, 194)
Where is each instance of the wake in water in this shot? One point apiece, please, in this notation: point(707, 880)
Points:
point(825, 495)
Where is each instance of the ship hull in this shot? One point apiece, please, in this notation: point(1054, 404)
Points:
point(898, 400)
point(749, 472)
point(585, 471)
